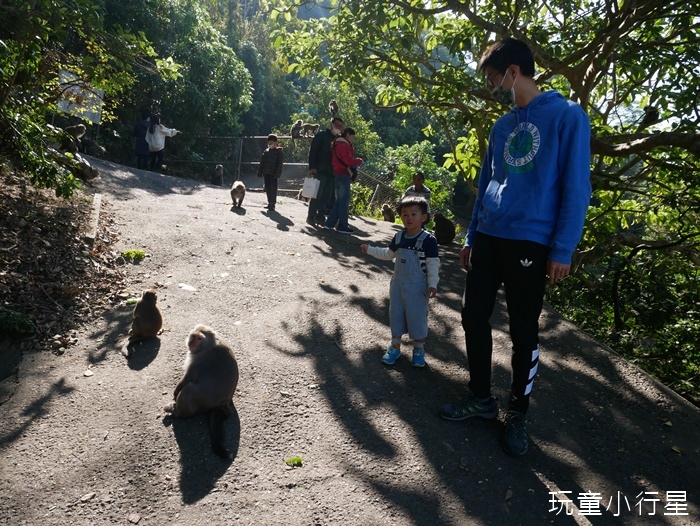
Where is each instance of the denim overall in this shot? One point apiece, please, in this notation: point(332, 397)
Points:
point(408, 293)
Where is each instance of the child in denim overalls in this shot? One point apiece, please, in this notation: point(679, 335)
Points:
point(414, 281)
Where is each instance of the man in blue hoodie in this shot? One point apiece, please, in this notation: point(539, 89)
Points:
point(534, 189)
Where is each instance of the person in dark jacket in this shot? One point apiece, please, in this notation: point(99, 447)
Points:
point(270, 169)
point(143, 154)
point(321, 167)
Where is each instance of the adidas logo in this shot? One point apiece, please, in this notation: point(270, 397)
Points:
point(525, 262)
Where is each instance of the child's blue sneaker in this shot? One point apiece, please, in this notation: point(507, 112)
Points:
point(391, 355)
point(418, 359)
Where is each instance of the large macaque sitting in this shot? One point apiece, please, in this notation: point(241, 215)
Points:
point(211, 377)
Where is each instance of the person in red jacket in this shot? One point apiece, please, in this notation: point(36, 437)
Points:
point(343, 160)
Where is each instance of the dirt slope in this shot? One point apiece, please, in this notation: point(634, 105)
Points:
point(84, 440)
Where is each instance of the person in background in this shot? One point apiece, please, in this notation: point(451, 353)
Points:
point(270, 169)
point(321, 167)
point(415, 280)
point(534, 190)
point(420, 190)
point(143, 154)
point(157, 144)
point(343, 161)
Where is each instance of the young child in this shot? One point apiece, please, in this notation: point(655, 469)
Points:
point(270, 169)
point(414, 281)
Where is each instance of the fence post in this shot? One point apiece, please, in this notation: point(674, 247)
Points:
point(239, 144)
point(373, 196)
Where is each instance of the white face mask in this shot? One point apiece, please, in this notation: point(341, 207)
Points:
point(500, 94)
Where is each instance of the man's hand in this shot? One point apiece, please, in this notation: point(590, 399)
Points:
point(464, 257)
point(556, 270)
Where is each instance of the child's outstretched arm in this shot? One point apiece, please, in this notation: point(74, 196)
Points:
point(378, 252)
point(432, 267)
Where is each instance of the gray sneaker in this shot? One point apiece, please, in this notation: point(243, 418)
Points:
point(470, 408)
point(515, 441)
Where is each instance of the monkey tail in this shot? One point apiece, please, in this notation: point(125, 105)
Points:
point(217, 416)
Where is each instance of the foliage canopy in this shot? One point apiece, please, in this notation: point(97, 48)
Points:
point(632, 65)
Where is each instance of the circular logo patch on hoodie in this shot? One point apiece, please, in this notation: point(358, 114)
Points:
point(522, 145)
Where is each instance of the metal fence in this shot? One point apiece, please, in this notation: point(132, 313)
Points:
point(240, 157)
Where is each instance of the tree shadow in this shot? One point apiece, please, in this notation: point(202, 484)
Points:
point(34, 411)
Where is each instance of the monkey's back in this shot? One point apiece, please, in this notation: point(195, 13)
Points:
point(215, 376)
point(148, 320)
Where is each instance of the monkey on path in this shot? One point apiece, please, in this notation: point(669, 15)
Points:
point(237, 193)
point(147, 320)
point(388, 213)
point(217, 177)
point(71, 140)
point(211, 377)
point(444, 229)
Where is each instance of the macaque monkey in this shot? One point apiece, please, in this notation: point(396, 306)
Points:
point(147, 321)
point(90, 147)
point(388, 213)
point(333, 108)
point(71, 141)
point(651, 116)
point(295, 132)
point(444, 229)
point(237, 193)
point(217, 177)
point(310, 129)
point(211, 377)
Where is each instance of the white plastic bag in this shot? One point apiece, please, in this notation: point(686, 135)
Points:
point(310, 190)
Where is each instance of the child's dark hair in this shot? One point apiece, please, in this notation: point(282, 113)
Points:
point(507, 52)
point(272, 137)
point(413, 200)
point(347, 131)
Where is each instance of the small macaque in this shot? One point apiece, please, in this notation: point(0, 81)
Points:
point(208, 385)
point(147, 321)
point(388, 213)
point(90, 147)
point(295, 132)
point(310, 130)
point(71, 140)
point(444, 229)
point(651, 116)
point(237, 193)
point(333, 108)
point(217, 177)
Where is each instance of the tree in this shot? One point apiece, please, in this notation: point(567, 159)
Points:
point(40, 38)
point(632, 65)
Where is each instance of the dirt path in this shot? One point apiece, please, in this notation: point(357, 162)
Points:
point(84, 439)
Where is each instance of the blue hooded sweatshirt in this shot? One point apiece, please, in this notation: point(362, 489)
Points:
point(534, 183)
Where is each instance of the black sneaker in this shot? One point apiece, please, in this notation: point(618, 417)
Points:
point(515, 441)
point(470, 408)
